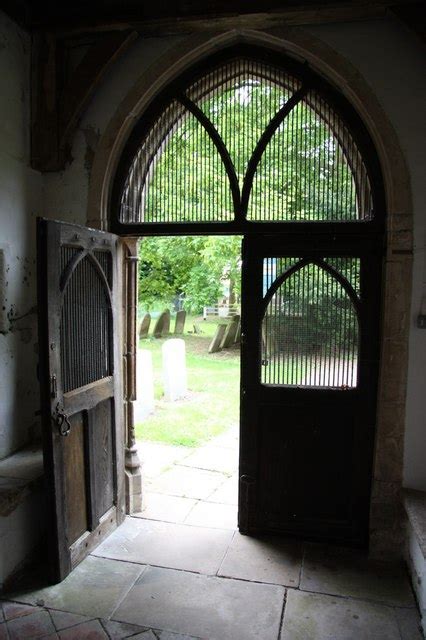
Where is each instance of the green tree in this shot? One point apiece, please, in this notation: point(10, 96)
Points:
point(194, 266)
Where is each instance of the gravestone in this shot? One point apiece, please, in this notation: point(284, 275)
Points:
point(230, 333)
point(166, 323)
point(162, 325)
point(144, 326)
point(217, 339)
point(238, 333)
point(180, 322)
point(144, 404)
point(174, 369)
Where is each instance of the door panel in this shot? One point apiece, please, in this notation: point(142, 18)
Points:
point(80, 376)
point(75, 479)
point(311, 317)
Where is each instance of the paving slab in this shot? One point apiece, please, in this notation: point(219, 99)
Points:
point(213, 458)
point(160, 506)
point(93, 589)
point(157, 457)
point(169, 635)
point(91, 630)
point(409, 624)
point(227, 493)
point(265, 559)
point(36, 625)
point(12, 610)
point(349, 573)
point(227, 440)
point(63, 620)
point(166, 544)
point(211, 514)
point(310, 616)
point(120, 630)
point(187, 482)
point(204, 606)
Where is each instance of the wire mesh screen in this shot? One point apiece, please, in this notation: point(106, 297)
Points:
point(240, 99)
point(349, 268)
point(177, 175)
point(105, 260)
point(310, 332)
point(85, 326)
point(311, 170)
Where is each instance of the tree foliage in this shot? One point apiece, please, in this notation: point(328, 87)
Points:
point(304, 174)
point(194, 266)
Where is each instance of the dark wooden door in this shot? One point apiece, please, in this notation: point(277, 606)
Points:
point(81, 392)
point(311, 317)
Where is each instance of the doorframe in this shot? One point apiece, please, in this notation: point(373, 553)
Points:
point(385, 519)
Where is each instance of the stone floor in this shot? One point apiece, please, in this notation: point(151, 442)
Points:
point(171, 581)
point(181, 571)
point(192, 486)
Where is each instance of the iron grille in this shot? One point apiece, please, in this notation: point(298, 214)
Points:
point(85, 325)
point(310, 330)
point(246, 140)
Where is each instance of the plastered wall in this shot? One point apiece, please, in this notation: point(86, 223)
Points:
point(20, 203)
point(393, 62)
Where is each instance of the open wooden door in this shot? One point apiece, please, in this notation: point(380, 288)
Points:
point(81, 391)
point(311, 318)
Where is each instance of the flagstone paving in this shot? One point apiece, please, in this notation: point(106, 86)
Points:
point(166, 581)
point(181, 571)
point(182, 483)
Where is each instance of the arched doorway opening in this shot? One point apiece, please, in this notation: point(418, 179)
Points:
point(252, 142)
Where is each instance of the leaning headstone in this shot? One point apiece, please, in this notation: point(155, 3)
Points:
point(174, 369)
point(180, 322)
point(230, 333)
point(238, 333)
point(161, 326)
point(144, 404)
point(217, 339)
point(144, 326)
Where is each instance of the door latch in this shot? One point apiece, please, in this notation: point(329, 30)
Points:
point(53, 386)
point(62, 421)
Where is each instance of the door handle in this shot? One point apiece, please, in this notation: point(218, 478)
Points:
point(62, 421)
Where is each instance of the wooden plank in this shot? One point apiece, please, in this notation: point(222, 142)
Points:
point(90, 539)
point(88, 396)
point(101, 457)
point(149, 20)
point(75, 479)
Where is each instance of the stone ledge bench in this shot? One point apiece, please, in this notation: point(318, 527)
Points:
point(22, 510)
point(415, 551)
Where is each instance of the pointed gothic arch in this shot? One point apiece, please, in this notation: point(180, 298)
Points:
point(384, 525)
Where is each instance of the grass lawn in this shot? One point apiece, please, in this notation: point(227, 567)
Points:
point(212, 405)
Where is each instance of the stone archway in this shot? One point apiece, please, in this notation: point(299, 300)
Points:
point(385, 521)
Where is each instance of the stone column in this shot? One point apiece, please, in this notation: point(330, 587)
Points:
point(130, 297)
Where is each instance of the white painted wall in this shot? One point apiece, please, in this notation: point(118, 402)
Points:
point(393, 62)
point(20, 203)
